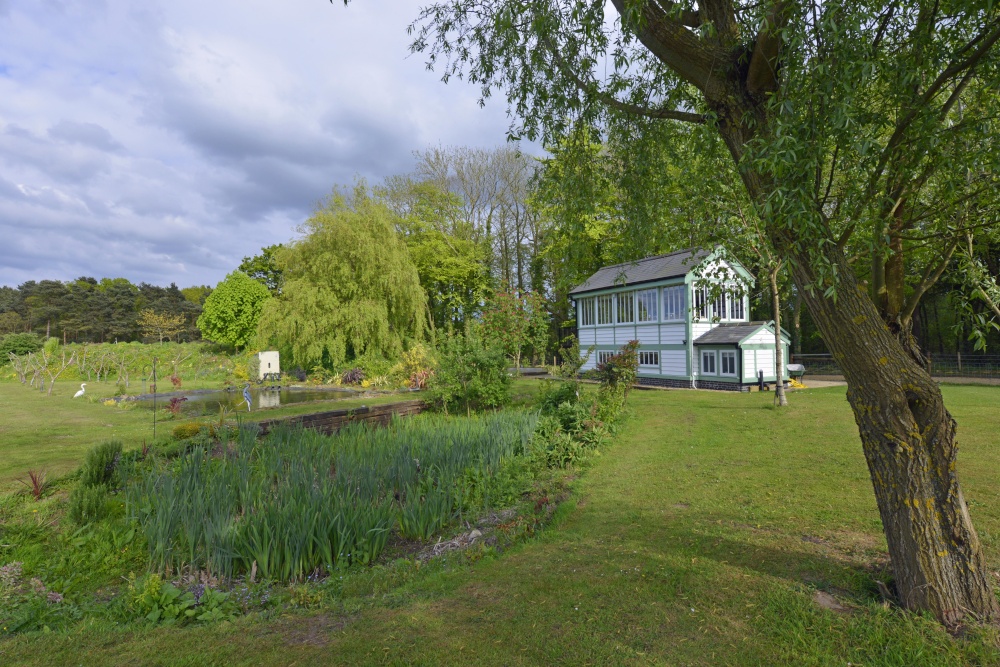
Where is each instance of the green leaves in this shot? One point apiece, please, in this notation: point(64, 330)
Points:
point(350, 287)
point(233, 309)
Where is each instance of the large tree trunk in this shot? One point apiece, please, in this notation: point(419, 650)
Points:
point(907, 435)
point(909, 441)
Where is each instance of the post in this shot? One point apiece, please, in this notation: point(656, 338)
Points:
point(154, 398)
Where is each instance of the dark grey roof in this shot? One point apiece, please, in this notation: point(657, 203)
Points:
point(729, 333)
point(644, 270)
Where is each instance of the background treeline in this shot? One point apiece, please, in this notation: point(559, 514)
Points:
point(87, 310)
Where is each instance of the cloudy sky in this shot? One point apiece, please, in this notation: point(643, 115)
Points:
point(164, 140)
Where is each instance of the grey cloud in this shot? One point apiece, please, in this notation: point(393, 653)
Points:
point(64, 162)
point(86, 134)
point(155, 175)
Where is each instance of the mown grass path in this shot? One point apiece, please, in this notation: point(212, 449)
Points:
point(700, 538)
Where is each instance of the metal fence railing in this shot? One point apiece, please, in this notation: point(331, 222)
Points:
point(942, 365)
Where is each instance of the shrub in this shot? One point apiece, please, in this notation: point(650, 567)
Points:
point(88, 504)
point(471, 374)
point(188, 430)
point(101, 465)
point(556, 392)
point(353, 376)
point(18, 343)
point(415, 368)
point(617, 375)
point(299, 374)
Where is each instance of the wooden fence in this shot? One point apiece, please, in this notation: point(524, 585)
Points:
point(328, 422)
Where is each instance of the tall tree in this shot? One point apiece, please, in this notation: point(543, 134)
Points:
point(442, 245)
point(494, 186)
point(231, 313)
point(264, 268)
point(349, 286)
point(842, 119)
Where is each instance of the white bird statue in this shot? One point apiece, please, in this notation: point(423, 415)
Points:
point(82, 390)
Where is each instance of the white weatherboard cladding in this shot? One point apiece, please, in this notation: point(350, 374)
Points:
point(647, 334)
point(762, 337)
point(591, 362)
point(672, 334)
point(749, 364)
point(605, 336)
point(587, 338)
point(699, 328)
point(765, 362)
point(673, 362)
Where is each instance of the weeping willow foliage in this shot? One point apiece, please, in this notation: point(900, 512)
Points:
point(349, 287)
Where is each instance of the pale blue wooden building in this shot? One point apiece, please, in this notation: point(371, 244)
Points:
point(689, 312)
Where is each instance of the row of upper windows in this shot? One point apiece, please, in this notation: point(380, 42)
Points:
point(643, 306)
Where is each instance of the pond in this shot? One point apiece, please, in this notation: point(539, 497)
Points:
point(199, 403)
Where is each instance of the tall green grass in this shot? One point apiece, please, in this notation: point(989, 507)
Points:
point(296, 502)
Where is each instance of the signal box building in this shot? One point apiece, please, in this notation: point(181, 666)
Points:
point(688, 310)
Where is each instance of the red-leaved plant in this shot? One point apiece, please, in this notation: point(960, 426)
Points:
point(36, 483)
point(175, 404)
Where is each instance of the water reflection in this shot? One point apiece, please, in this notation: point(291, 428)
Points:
point(210, 402)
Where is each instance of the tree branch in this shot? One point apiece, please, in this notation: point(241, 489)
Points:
point(986, 40)
point(674, 45)
point(926, 282)
point(762, 74)
point(593, 89)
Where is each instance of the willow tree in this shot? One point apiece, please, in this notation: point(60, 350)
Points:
point(349, 287)
point(859, 129)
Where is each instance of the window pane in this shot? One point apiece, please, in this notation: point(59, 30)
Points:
point(625, 307)
point(645, 302)
point(708, 362)
point(728, 363)
point(649, 358)
point(700, 303)
point(604, 309)
point(587, 312)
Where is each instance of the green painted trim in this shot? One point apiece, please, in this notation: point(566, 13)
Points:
point(716, 347)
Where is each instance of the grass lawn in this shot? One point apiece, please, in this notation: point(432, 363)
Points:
point(701, 537)
point(53, 433)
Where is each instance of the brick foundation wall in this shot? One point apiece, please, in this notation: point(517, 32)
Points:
point(686, 384)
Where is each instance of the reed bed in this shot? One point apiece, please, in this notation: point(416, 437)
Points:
point(297, 502)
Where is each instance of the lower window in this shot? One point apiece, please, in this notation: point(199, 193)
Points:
point(604, 355)
point(708, 363)
point(727, 361)
point(649, 358)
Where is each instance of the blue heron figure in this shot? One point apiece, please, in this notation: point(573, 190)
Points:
point(246, 396)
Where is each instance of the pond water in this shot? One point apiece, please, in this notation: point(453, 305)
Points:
point(209, 402)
